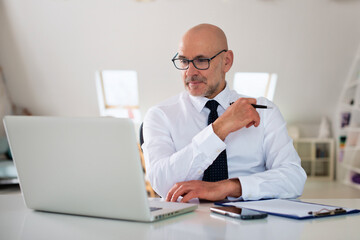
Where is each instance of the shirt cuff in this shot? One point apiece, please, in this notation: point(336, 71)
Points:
point(249, 187)
point(209, 143)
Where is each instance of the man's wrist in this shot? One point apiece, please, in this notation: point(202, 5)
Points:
point(233, 188)
point(218, 130)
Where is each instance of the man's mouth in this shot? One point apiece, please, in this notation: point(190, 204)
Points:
point(195, 80)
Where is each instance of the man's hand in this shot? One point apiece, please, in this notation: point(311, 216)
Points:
point(240, 114)
point(212, 191)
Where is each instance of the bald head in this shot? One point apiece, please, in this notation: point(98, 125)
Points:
point(206, 45)
point(204, 37)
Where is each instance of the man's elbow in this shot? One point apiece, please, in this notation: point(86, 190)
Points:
point(300, 183)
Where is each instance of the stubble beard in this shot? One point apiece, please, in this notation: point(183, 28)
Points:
point(210, 90)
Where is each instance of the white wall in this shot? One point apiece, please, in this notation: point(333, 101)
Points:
point(50, 49)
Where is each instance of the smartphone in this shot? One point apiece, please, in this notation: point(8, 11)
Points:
point(235, 212)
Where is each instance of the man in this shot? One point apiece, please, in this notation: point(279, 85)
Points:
point(224, 148)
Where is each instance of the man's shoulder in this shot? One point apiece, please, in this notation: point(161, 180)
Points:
point(173, 101)
point(171, 104)
point(265, 101)
point(168, 110)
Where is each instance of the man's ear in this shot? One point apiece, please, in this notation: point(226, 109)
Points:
point(228, 61)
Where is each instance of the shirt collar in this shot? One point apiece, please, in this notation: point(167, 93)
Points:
point(223, 98)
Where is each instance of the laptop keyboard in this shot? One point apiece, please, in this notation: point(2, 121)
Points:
point(154, 209)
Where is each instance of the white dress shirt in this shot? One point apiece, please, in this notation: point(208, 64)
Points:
point(179, 146)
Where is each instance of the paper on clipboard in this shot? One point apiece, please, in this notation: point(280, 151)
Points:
point(286, 208)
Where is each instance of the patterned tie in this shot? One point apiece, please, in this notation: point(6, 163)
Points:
point(218, 170)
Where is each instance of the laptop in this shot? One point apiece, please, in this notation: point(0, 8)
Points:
point(83, 166)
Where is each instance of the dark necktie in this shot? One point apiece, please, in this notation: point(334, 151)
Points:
point(218, 170)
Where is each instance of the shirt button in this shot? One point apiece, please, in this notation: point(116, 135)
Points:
point(199, 172)
point(218, 150)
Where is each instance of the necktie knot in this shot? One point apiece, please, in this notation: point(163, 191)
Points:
point(212, 105)
point(213, 115)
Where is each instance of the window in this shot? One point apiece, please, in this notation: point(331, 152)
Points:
point(255, 84)
point(117, 92)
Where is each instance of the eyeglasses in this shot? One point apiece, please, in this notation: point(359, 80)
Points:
point(199, 63)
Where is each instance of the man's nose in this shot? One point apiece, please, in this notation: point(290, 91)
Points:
point(192, 70)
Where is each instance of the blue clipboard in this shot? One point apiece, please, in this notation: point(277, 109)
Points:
point(292, 208)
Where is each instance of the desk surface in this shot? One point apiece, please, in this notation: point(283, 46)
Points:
point(18, 222)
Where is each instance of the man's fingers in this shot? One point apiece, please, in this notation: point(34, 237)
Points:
point(169, 194)
point(251, 100)
point(197, 189)
point(248, 100)
point(255, 122)
point(172, 190)
point(179, 189)
point(250, 124)
point(185, 189)
point(178, 192)
point(190, 195)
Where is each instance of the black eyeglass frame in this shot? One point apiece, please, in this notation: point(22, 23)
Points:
point(189, 61)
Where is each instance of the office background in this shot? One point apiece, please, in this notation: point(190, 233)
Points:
point(50, 50)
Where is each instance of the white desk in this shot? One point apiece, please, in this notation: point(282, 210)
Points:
point(18, 222)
